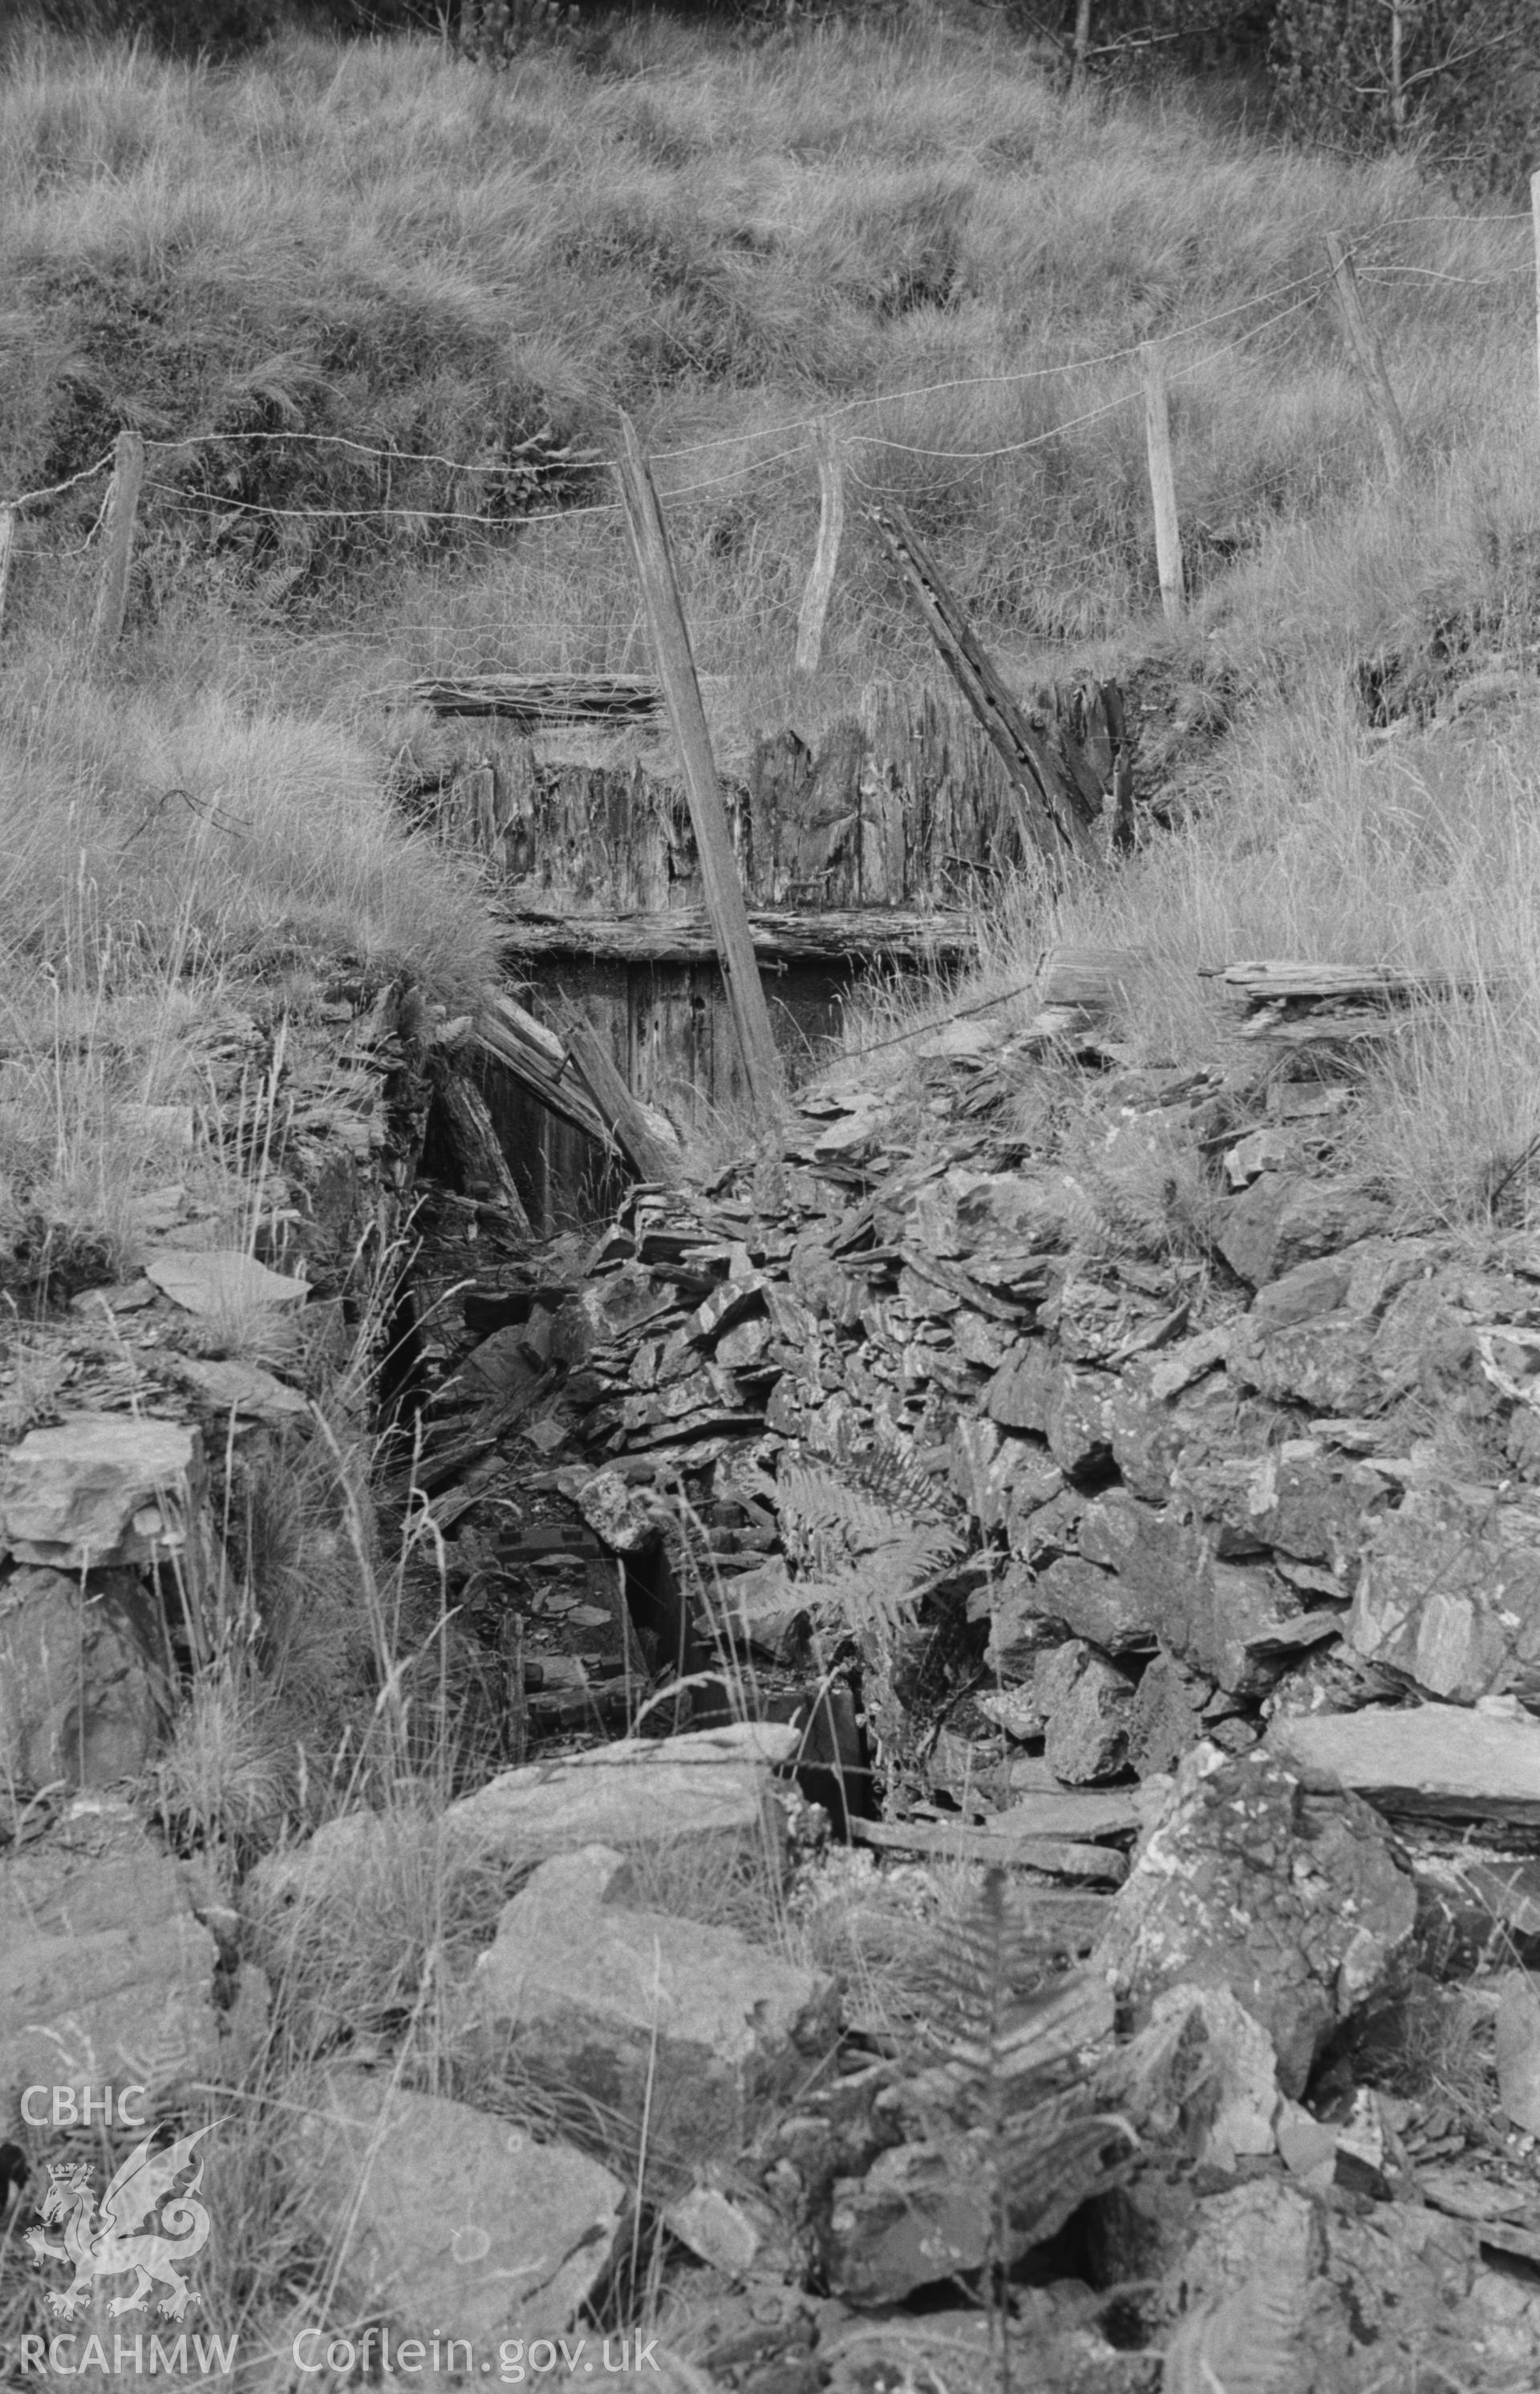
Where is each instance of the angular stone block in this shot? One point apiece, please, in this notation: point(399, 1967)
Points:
point(84, 1692)
point(1298, 1903)
point(101, 1488)
point(646, 2013)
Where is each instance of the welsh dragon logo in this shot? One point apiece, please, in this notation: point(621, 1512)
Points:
point(107, 2247)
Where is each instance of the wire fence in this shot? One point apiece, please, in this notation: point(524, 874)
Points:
point(868, 430)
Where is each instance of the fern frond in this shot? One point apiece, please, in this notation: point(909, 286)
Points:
point(889, 1473)
point(1244, 2344)
point(860, 1553)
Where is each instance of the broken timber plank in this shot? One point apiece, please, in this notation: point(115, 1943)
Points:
point(545, 698)
point(719, 865)
point(1059, 1857)
point(1305, 1029)
point(685, 936)
point(1051, 814)
point(484, 1166)
point(1285, 977)
point(537, 1060)
point(654, 1157)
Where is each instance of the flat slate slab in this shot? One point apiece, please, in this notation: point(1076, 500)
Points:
point(639, 1791)
point(216, 1280)
point(70, 1495)
point(1436, 1761)
point(452, 2222)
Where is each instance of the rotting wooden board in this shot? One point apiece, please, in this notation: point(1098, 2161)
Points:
point(537, 1058)
point(1305, 1029)
point(655, 1155)
point(1289, 977)
point(684, 936)
point(1059, 1857)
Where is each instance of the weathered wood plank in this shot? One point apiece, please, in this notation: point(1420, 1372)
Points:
point(545, 698)
point(484, 1166)
point(654, 1157)
point(538, 1059)
point(845, 932)
point(1288, 976)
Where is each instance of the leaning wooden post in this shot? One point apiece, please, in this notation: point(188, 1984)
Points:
point(1052, 818)
point(1369, 360)
point(1535, 209)
point(653, 1155)
point(1162, 480)
point(722, 888)
point(123, 499)
point(831, 528)
point(8, 543)
point(1082, 43)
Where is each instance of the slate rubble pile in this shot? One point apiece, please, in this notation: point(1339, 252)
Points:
point(1073, 1482)
point(1134, 1507)
point(1072, 1470)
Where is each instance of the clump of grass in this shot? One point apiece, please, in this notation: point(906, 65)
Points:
point(225, 1781)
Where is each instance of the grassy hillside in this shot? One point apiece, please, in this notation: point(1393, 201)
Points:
point(374, 308)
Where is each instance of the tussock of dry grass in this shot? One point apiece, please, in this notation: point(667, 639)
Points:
point(167, 829)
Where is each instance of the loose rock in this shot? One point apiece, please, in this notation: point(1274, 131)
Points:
point(1296, 1902)
point(690, 2025)
point(453, 2222)
point(84, 1691)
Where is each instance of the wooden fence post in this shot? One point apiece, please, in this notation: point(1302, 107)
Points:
point(123, 499)
point(8, 545)
point(1369, 360)
point(831, 527)
point(723, 890)
point(1082, 43)
point(1162, 482)
point(1534, 210)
